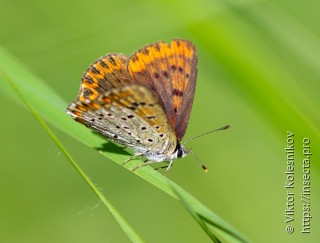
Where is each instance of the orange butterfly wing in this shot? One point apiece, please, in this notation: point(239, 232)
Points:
point(170, 70)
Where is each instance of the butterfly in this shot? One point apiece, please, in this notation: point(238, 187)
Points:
point(143, 101)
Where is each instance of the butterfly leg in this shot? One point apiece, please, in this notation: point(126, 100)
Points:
point(144, 164)
point(131, 158)
point(168, 168)
point(163, 167)
point(152, 162)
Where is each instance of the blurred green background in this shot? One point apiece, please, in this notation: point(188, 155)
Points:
point(259, 69)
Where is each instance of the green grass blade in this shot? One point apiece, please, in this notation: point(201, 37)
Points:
point(199, 219)
point(218, 234)
point(131, 234)
point(51, 107)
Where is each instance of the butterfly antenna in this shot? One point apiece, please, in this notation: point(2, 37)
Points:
point(200, 163)
point(206, 133)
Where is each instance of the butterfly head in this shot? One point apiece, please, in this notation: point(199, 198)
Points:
point(181, 151)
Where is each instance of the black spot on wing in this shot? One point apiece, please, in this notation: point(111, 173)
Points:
point(177, 92)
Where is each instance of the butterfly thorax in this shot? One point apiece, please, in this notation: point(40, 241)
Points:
point(178, 153)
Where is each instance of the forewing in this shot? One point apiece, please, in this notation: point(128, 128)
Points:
point(106, 73)
point(129, 115)
point(170, 71)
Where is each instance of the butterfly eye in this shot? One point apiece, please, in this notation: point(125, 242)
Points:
point(180, 152)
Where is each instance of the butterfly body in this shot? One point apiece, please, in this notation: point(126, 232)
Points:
point(142, 102)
